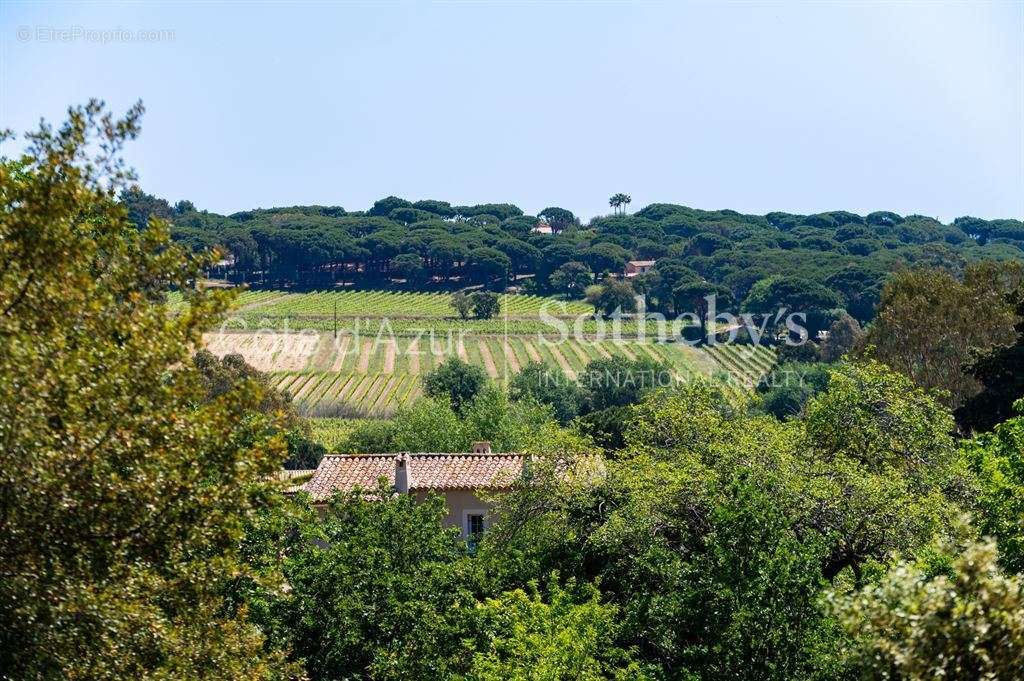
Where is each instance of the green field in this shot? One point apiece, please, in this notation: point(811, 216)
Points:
point(388, 340)
point(408, 314)
point(398, 304)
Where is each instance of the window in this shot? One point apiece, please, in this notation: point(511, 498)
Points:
point(474, 527)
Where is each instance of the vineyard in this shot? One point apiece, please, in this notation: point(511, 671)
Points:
point(393, 304)
point(359, 377)
point(388, 340)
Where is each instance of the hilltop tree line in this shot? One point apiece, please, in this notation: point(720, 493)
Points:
point(826, 260)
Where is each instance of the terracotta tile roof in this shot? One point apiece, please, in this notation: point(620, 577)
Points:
point(426, 472)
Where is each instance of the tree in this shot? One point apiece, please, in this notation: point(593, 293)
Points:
point(842, 337)
point(125, 488)
point(606, 257)
point(222, 376)
point(185, 206)
point(142, 206)
point(377, 590)
point(558, 218)
point(788, 387)
point(883, 473)
point(1000, 371)
point(383, 207)
point(572, 636)
point(462, 304)
point(619, 202)
point(697, 296)
point(485, 304)
point(409, 266)
point(616, 295)
point(929, 324)
point(619, 381)
point(431, 425)
point(967, 625)
point(571, 278)
point(548, 386)
point(455, 382)
point(997, 461)
point(489, 264)
point(592, 294)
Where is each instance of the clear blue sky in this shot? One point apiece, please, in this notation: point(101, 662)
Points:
point(911, 107)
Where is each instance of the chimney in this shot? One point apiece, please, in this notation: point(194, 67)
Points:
point(402, 473)
point(483, 447)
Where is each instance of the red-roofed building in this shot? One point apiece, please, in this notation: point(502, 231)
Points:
point(458, 477)
point(635, 267)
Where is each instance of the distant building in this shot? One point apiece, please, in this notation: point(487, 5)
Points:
point(459, 478)
point(543, 228)
point(635, 267)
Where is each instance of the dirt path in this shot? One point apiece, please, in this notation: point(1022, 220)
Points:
point(626, 351)
point(463, 355)
point(531, 351)
point(562, 361)
point(323, 355)
point(485, 354)
point(602, 351)
point(389, 356)
point(364, 356)
point(341, 352)
point(266, 351)
point(308, 386)
point(580, 353)
point(649, 351)
point(510, 357)
point(260, 303)
point(350, 384)
point(413, 353)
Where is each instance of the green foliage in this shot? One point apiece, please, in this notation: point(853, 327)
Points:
point(893, 473)
point(997, 460)
point(433, 426)
point(930, 324)
point(548, 386)
point(462, 304)
point(127, 483)
point(693, 296)
point(571, 278)
point(619, 381)
point(382, 591)
point(786, 388)
point(615, 296)
point(1000, 371)
point(221, 376)
point(454, 382)
point(843, 336)
point(430, 242)
point(486, 305)
point(969, 625)
point(558, 218)
point(570, 637)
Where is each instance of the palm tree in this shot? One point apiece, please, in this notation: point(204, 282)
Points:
point(619, 201)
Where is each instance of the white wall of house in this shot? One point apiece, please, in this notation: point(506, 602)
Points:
point(460, 503)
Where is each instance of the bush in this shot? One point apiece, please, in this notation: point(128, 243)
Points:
point(454, 382)
point(548, 386)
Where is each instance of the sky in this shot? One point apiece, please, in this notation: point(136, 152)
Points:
point(914, 107)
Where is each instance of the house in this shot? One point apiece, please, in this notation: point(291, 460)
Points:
point(460, 478)
point(635, 267)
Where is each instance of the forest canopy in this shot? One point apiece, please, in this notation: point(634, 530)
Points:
point(837, 258)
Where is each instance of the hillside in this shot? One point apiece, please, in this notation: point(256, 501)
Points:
point(834, 259)
point(375, 363)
